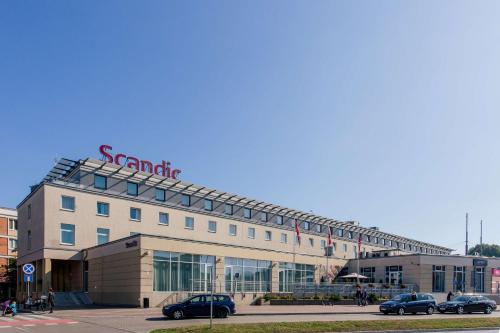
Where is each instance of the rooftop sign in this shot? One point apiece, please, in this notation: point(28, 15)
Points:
point(161, 169)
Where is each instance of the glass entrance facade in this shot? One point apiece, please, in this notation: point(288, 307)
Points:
point(291, 275)
point(394, 275)
point(247, 275)
point(174, 271)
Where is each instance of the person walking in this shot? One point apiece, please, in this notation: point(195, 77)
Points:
point(359, 295)
point(449, 296)
point(51, 300)
point(364, 296)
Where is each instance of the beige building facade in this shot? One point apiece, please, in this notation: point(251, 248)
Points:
point(129, 237)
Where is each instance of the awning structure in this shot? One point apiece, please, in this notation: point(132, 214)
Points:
point(353, 276)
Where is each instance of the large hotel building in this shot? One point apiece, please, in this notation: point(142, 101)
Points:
point(131, 237)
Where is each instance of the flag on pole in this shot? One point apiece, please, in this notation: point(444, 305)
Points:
point(359, 245)
point(297, 231)
point(329, 236)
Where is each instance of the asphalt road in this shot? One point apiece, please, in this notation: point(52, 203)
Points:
point(142, 321)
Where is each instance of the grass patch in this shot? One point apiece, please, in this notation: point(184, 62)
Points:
point(340, 326)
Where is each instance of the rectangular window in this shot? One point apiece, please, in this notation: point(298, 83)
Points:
point(208, 205)
point(279, 220)
point(247, 275)
point(132, 189)
point(12, 224)
point(12, 244)
point(438, 272)
point(350, 235)
point(344, 247)
point(163, 219)
point(369, 272)
point(323, 243)
point(186, 200)
point(28, 245)
point(102, 208)
point(247, 213)
point(232, 229)
point(334, 245)
point(263, 216)
point(311, 242)
point(68, 203)
point(251, 233)
point(67, 234)
point(355, 250)
point(135, 214)
point(160, 194)
point(102, 236)
point(307, 226)
point(228, 209)
point(459, 278)
point(340, 232)
point(212, 226)
point(29, 211)
point(189, 223)
point(284, 238)
point(100, 182)
point(319, 228)
point(267, 235)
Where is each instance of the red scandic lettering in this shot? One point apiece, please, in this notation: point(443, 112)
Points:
point(175, 172)
point(160, 172)
point(102, 150)
point(117, 158)
point(146, 166)
point(133, 163)
point(168, 169)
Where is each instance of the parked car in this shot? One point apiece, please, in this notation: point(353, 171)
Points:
point(468, 304)
point(408, 303)
point(199, 306)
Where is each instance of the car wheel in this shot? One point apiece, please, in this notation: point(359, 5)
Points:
point(401, 311)
point(460, 310)
point(487, 310)
point(430, 310)
point(177, 314)
point(222, 313)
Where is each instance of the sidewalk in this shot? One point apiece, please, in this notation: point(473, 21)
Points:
point(262, 310)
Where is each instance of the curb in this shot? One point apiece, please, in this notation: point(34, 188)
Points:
point(437, 330)
point(302, 313)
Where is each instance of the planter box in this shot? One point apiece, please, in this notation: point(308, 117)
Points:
point(316, 302)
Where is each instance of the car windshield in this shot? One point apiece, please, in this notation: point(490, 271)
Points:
point(401, 298)
point(461, 299)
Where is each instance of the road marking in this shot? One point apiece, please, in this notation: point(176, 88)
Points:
point(25, 317)
point(72, 322)
point(29, 325)
point(6, 318)
point(51, 324)
point(44, 317)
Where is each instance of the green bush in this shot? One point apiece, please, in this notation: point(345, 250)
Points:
point(334, 298)
point(372, 298)
point(316, 297)
point(268, 297)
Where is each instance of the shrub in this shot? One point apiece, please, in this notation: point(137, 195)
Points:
point(372, 298)
point(334, 298)
point(315, 297)
point(267, 297)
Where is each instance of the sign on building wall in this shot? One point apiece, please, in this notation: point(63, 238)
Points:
point(480, 262)
point(163, 169)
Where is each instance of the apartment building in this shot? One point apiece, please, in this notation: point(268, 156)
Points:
point(8, 251)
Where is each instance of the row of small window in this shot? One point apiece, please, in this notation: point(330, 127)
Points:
point(67, 236)
point(100, 182)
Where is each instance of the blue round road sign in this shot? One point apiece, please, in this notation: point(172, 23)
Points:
point(28, 269)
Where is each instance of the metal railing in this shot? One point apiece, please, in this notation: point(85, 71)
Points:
point(349, 289)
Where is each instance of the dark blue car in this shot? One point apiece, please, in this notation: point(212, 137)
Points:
point(468, 304)
point(409, 303)
point(199, 306)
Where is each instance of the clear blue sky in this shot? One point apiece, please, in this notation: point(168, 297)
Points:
point(385, 112)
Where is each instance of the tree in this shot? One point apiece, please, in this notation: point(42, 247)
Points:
point(8, 275)
point(489, 250)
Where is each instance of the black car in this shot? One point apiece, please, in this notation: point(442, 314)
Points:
point(199, 306)
point(409, 303)
point(468, 304)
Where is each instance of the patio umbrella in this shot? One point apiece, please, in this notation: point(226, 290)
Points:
point(353, 276)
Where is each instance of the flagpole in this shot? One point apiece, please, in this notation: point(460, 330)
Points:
point(293, 241)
